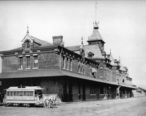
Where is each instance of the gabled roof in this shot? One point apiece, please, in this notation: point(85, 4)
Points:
point(88, 48)
point(112, 60)
point(122, 68)
point(95, 50)
point(41, 42)
point(36, 40)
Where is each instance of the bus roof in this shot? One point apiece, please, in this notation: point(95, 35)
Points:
point(25, 88)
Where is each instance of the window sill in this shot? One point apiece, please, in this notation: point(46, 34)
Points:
point(92, 94)
point(35, 68)
point(27, 68)
point(67, 69)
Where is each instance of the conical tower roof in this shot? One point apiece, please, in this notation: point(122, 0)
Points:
point(95, 35)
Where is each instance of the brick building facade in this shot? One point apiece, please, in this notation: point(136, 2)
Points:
point(75, 73)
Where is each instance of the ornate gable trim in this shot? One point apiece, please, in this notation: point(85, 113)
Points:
point(27, 37)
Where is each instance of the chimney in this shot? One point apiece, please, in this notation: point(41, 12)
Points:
point(57, 40)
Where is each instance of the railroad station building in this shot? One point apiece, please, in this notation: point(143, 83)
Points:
point(83, 72)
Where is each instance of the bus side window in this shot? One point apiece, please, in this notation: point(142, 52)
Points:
point(27, 93)
point(18, 93)
point(21, 93)
point(24, 93)
point(14, 93)
point(31, 93)
point(10, 93)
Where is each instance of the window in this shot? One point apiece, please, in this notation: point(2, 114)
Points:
point(20, 62)
point(15, 93)
point(27, 44)
point(63, 62)
point(29, 93)
point(67, 63)
point(90, 71)
point(21, 93)
point(28, 62)
point(36, 61)
point(123, 91)
point(83, 70)
point(79, 67)
point(105, 90)
point(10, 93)
point(24, 93)
point(70, 64)
point(92, 90)
point(101, 90)
point(123, 81)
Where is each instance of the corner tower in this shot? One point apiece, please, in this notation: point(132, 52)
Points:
point(95, 38)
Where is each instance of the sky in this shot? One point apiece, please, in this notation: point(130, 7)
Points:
point(122, 25)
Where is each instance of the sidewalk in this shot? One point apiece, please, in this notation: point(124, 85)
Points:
point(99, 101)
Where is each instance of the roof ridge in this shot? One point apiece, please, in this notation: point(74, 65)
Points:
point(38, 38)
point(42, 42)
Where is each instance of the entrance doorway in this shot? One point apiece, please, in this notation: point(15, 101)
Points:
point(84, 93)
point(81, 91)
point(67, 92)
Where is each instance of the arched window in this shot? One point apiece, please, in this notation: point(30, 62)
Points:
point(123, 81)
point(35, 61)
point(62, 61)
point(79, 68)
point(70, 64)
point(27, 43)
point(21, 62)
point(28, 62)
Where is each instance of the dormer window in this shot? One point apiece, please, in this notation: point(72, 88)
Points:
point(123, 81)
point(27, 43)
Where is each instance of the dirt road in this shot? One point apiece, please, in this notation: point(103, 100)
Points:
point(119, 107)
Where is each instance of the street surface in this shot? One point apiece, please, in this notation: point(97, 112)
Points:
point(119, 107)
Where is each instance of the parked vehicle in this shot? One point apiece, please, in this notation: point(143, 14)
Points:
point(29, 95)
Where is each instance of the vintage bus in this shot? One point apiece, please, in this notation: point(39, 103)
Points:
point(26, 96)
